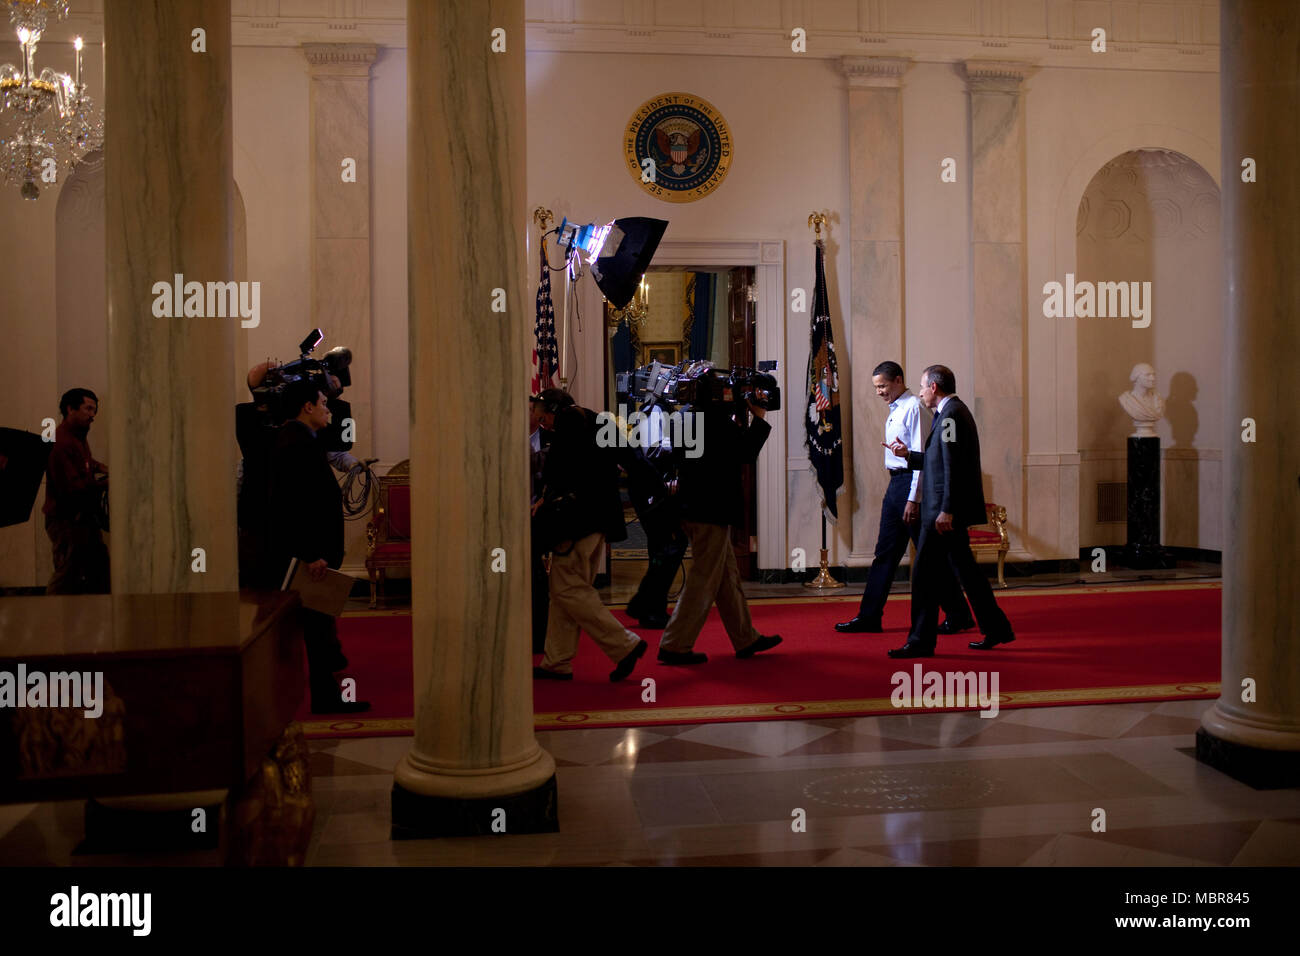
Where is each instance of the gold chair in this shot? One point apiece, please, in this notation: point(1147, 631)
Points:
point(994, 539)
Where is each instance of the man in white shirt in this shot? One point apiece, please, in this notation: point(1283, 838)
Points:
point(900, 514)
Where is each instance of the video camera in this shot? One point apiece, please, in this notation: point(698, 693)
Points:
point(700, 385)
point(270, 394)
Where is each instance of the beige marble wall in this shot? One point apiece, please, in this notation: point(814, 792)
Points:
point(998, 268)
point(168, 188)
point(340, 215)
point(469, 465)
point(876, 264)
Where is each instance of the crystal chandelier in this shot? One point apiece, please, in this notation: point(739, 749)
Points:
point(47, 122)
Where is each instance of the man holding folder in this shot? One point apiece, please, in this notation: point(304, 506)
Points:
point(307, 525)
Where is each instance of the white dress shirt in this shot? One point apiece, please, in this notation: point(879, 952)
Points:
point(904, 423)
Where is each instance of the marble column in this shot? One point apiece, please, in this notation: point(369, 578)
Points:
point(168, 183)
point(340, 215)
point(474, 752)
point(996, 389)
point(1258, 740)
point(876, 279)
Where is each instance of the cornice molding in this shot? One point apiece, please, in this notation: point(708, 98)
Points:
point(865, 72)
point(997, 76)
point(340, 59)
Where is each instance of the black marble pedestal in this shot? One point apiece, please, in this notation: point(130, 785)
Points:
point(1143, 549)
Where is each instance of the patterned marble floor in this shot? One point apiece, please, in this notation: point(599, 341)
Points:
point(930, 789)
point(933, 789)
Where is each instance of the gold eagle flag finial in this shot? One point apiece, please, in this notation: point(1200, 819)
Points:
point(815, 222)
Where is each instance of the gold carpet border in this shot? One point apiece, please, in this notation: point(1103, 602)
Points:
point(852, 598)
point(872, 707)
point(855, 598)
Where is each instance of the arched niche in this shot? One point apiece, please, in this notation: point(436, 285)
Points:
point(1152, 216)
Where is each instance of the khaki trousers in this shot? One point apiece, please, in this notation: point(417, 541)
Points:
point(714, 576)
point(575, 606)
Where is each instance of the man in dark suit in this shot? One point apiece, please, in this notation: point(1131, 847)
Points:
point(900, 514)
point(952, 501)
point(306, 511)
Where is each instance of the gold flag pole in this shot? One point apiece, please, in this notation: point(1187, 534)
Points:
point(823, 581)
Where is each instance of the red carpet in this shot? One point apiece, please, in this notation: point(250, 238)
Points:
point(1103, 645)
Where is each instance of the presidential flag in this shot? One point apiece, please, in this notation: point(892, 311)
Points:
point(546, 355)
point(824, 439)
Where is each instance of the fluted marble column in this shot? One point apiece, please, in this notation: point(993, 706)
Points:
point(997, 394)
point(168, 185)
point(340, 218)
point(1258, 741)
point(474, 751)
point(876, 263)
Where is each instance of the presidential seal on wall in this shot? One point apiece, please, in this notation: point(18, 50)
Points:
point(678, 147)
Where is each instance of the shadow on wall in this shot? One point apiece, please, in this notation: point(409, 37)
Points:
point(1180, 410)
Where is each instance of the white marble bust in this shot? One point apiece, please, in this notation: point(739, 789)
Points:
point(1142, 404)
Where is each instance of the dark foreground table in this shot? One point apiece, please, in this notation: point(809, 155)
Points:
point(193, 736)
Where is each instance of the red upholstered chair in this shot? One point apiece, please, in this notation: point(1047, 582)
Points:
point(388, 533)
point(992, 537)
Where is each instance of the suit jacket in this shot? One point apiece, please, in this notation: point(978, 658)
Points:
point(306, 503)
point(709, 488)
point(576, 465)
point(951, 479)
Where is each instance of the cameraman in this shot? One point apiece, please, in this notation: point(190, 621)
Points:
point(579, 510)
point(711, 501)
point(306, 509)
point(650, 474)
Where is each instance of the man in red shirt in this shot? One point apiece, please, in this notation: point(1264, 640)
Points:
point(74, 482)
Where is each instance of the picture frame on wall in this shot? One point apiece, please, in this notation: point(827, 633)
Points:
point(666, 353)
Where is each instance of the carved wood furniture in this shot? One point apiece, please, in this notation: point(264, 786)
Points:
point(388, 533)
point(199, 692)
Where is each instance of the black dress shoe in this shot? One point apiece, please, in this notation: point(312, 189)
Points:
point(629, 661)
point(762, 643)
point(541, 673)
point(947, 627)
point(992, 641)
point(681, 657)
point(860, 625)
point(653, 622)
point(911, 649)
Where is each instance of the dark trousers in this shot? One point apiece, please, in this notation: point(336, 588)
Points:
point(541, 602)
point(666, 544)
point(891, 545)
point(320, 633)
point(939, 557)
point(80, 557)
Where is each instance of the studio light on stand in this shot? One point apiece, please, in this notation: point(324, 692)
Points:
point(617, 254)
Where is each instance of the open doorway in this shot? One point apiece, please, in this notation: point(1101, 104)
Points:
point(689, 313)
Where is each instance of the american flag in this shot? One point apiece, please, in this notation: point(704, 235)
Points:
point(545, 353)
point(822, 422)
